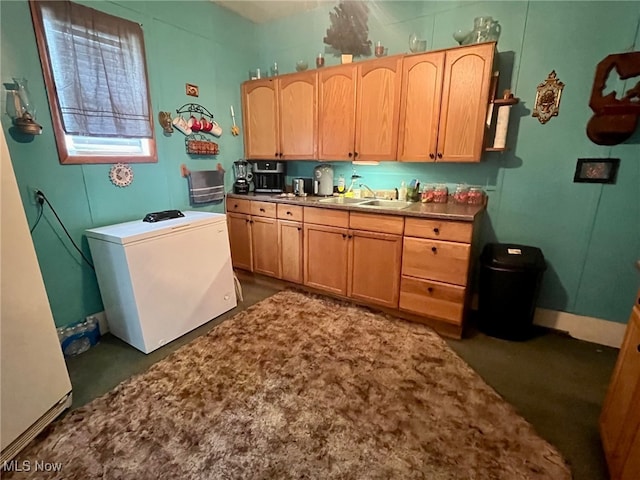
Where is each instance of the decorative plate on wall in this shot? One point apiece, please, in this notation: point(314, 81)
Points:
point(121, 175)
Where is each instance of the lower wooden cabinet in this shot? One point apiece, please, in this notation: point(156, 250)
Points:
point(436, 260)
point(620, 418)
point(240, 240)
point(290, 250)
point(374, 270)
point(418, 266)
point(264, 244)
point(326, 255)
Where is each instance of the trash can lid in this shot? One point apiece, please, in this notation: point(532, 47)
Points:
point(510, 255)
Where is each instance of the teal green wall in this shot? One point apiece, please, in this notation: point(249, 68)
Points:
point(186, 42)
point(589, 234)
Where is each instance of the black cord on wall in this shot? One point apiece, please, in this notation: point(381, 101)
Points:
point(41, 198)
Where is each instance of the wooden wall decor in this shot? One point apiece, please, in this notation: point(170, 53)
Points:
point(614, 120)
point(547, 102)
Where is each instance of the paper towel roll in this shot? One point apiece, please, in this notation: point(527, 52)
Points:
point(502, 126)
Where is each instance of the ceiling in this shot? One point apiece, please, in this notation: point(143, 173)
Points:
point(261, 11)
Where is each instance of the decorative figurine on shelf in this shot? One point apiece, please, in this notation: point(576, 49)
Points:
point(615, 118)
point(348, 33)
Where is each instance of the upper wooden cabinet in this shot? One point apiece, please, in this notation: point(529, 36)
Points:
point(358, 110)
point(445, 96)
point(378, 106)
point(337, 112)
point(280, 117)
point(260, 119)
point(415, 108)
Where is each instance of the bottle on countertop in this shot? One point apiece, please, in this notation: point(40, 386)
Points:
point(402, 192)
point(341, 184)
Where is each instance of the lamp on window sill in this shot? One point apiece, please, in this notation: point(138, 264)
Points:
point(20, 109)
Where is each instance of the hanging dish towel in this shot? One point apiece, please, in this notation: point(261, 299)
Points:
point(206, 187)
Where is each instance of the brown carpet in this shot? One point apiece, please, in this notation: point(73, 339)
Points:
point(306, 387)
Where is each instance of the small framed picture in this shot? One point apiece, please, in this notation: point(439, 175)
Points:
point(596, 170)
point(192, 90)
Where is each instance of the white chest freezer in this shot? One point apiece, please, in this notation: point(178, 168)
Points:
point(161, 280)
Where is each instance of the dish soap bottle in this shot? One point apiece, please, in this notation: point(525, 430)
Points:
point(341, 184)
point(402, 192)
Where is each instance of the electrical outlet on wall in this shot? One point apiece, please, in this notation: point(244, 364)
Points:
point(33, 197)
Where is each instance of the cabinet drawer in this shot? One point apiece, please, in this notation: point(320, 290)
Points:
point(326, 216)
point(439, 229)
point(290, 212)
point(235, 205)
point(434, 299)
point(376, 223)
point(263, 209)
point(436, 260)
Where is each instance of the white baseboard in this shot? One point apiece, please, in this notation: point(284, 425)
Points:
point(590, 329)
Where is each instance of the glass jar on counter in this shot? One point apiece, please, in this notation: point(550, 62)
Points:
point(461, 195)
point(440, 193)
point(427, 194)
point(475, 196)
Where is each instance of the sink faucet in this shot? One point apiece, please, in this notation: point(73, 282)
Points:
point(362, 185)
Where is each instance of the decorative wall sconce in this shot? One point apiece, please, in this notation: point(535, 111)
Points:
point(547, 102)
point(20, 108)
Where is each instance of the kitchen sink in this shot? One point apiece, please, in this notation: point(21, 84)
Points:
point(386, 204)
point(342, 200)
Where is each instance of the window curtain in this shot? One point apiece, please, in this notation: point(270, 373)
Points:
point(98, 67)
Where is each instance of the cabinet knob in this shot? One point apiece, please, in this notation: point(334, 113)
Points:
point(299, 228)
point(439, 155)
point(344, 235)
point(247, 220)
point(432, 156)
point(430, 289)
point(436, 230)
point(355, 154)
point(638, 348)
point(434, 249)
point(250, 221)
point(262, 210)
point(235, 205)
point(350, 154)
point(289, 213)
point(350, 236)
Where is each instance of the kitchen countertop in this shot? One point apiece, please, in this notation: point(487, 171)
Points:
point(442, 211)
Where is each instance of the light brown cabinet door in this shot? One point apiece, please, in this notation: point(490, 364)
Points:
point(290, 246)
point(465, 99)
point(375, 267)
point(260, 119)
point(240, 240)
point(420, 107)
point(378, 107)
point(297, 97)
point(326, 253)
point(264, 236)
point(337, 112)
point(620, 419)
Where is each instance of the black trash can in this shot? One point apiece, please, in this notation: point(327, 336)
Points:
point(510, 278)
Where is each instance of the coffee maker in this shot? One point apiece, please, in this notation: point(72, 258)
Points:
point(268, 176)
point(242, 172)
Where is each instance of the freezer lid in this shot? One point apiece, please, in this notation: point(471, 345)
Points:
point(137, 230)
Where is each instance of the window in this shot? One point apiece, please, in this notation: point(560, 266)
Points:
point(95, 73)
